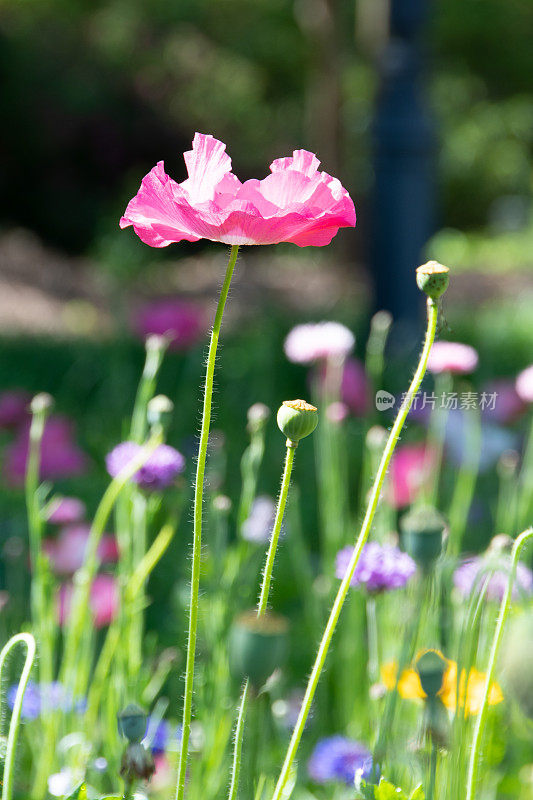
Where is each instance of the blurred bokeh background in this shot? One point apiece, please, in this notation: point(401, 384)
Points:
point(423, 109)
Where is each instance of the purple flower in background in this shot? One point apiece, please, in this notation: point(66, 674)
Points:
point(182, 323)
point(475, 571)
point(14, 408)
point(158, 472)
point(66, 511)
point(60, 455)
point(39, 697)
point(524, 385)
point(380, 567)
point(339, 759)
point(258, 527)
point(503, 403)
point(318, 340)
point(67, 552)
point(165, 737)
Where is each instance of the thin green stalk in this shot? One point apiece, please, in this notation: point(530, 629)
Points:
point(432, 770)
point(262, 606)
point(197, 524)
point(280, 510)
point(237, 749)
point(437, 434)
point(525, 483)
point(432, 311)
point(250, 464)
point(155, 350)
point(14, 725)
point(373, 639)
point(481, 721)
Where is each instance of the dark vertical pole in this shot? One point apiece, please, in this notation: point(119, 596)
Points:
point(403, 208)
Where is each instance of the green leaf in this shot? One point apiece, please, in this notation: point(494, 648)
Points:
point(386, 791)
point(79, 793)
point(417, 793)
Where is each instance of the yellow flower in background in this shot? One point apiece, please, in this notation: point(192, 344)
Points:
point(410, 688)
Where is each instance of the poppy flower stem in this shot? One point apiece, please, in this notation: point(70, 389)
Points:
point(197, 523)
point(481, 721)
point(432, 316)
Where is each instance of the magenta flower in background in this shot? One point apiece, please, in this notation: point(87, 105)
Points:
point(503, 404)
point(355, 387)
point(524, 385)
point(14, 408)
point(158, 472)
point(67, 552)
point(466, 576)
point(315, 341)
point(337, 758)
point(66, 511)
point(104, 601)
point(410, 470)
point(182, 323)
point(454, 357)
point(295, 203)
point(337, 412)
point(380, 567)
point(60, 455)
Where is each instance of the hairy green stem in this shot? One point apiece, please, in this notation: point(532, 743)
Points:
point(432, 312)
point(28, 640)
point(237, 748)
point(197, 524)
point(481, 721)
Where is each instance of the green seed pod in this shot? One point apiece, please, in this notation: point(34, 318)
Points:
point(297, 419)
point(517, 658)
point(433, 279)
point(422, 535)
point(257, 646)
point(132, 722)
point(257, 416)
point(431, 667)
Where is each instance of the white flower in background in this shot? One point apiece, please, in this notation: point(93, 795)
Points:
point(318, 340)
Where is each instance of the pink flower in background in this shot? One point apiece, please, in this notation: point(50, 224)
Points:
point(183, 324)
point(503, 404)
point(315, 341)
point(524, 385)
point(14, 408)
point(104, 601)
point(66, 511)
point(337, 412)
point(60, 455)
point(295, 203)
point(66, 553)
point(454, 357)
point(410, 469)
point(355, 387)
point(159, 470)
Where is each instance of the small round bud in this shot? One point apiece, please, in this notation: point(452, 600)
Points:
point(508, 464)
point(422, 535)
point(433, 279)
point(42, 403)
point(376, 438)
point(159, 411)
point(156, 343)
point(431, 667)
point(297, 419)
point(258, 415)
point(132, 722)
point(222, 504)
point(257, 646)
point(137, 763)
point(501, 543)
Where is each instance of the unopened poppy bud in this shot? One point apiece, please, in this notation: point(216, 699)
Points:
point(258, 415)
point(501, 543)
point(257, 646)
point(431, 667)
point(42, 403)
point(433, 279)
point(132, 722)
point(156, 343)
point(159, 411)
point(297, 419)
point(137, 763)
point(422, 535)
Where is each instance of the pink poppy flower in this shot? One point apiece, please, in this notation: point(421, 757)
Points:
point(65, 511)
point(524, 385)
point(67, 552)
point(183, 324)
point(295, 203)
point(60, 455)
point(454, 357)
point(14, 408)
point(104, 601)
point(410, 469)
point(316, 341)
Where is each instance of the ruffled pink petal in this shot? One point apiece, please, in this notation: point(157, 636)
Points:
point(154, 212)
point(207, 164)
point(302, 161)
